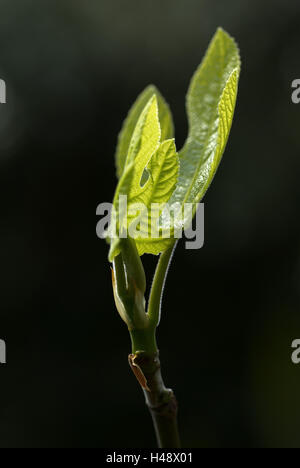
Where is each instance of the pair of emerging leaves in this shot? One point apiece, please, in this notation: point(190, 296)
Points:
point(148, 166)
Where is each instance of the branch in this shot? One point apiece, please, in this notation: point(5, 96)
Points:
point(161, 401)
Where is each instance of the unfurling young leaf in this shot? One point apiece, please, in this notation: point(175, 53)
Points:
point(210, 107)
point(165, 118)
point(161, 164)
point(146, 158)
point(152, 196)
point(144, 141)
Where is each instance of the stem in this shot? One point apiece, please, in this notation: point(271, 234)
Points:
point(143, 340)
point(129, 284)
point(159, 281)
point(145, 363)
point(161, 401)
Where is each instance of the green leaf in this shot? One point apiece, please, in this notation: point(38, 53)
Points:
point(144, 142)
point(165, 118)
point(210, 107)
point(163, 171)
point(148, 169)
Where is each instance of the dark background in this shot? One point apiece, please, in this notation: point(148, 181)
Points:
point(231, 310)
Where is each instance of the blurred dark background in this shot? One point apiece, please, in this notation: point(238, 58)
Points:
point(231, 310)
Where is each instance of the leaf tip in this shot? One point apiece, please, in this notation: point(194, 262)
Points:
point(222, 34)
